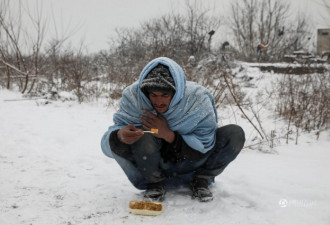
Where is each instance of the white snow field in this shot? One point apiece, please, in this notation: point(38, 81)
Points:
point(53, 172)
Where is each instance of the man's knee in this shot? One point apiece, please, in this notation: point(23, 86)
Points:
point(230, 134)
point(231, 130)
point(147, 144)
point(238, 132)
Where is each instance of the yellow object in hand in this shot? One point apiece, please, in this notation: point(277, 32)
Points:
point(154, 130)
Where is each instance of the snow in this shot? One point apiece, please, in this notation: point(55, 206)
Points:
point(52, 171)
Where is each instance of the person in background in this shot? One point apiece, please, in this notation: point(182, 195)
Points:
point(186, 147)
point(261, 48)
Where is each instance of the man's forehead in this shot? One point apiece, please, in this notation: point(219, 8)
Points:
point(159, 93)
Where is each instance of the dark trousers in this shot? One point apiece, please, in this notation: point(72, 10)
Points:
point(147, 166)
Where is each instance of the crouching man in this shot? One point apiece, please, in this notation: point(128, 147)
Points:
point(186, 147)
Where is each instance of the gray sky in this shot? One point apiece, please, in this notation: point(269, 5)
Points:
point(96, 20)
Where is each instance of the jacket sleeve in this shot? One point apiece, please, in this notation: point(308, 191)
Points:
point(119, 148)
point(179, 150)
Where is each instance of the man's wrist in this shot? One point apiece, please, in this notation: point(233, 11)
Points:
point(119, 136)
point(170, 137)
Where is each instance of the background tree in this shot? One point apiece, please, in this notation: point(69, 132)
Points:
point(267, 22)
point(20, 45)
point(174, 35)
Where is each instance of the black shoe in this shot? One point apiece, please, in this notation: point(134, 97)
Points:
point(200, 190)
point(155, 192)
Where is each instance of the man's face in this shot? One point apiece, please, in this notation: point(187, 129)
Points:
point(160, 101)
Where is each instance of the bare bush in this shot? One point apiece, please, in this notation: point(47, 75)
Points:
point(304, 101)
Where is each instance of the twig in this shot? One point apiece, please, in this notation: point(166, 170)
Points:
point(238, 105)
point(258, 120)
point(14, 68)
point(23, 99)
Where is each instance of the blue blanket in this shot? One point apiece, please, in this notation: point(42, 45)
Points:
point(191, 113)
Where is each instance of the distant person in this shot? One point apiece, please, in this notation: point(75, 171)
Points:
point(261, 48)
point(186, 148)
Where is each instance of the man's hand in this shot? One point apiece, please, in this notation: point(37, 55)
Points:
point(158, 122)
point(129, 134)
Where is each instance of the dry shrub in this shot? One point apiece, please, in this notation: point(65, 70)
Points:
point(304, 100)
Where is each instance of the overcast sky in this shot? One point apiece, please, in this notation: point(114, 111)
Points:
point(96, 20)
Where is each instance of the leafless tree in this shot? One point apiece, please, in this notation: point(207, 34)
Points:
point(267, 22)
point(200, 26)
point(20, 45)
point(174, 35)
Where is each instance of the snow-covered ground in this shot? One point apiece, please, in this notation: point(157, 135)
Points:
point(52, 171)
